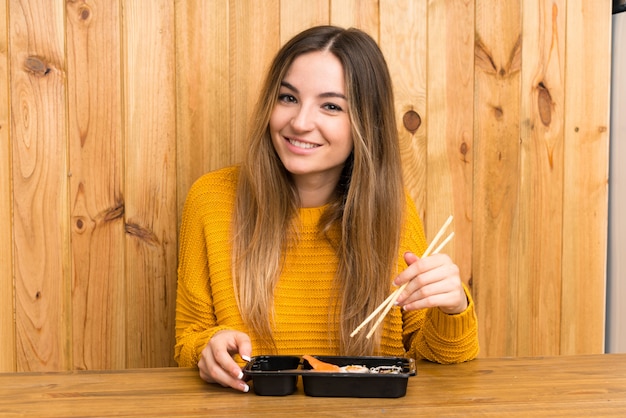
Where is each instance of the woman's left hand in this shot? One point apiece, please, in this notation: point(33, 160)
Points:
point(433, 281)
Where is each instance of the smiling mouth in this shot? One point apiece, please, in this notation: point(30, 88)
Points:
point(300, 144)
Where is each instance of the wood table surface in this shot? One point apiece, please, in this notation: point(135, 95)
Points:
point(592, 385)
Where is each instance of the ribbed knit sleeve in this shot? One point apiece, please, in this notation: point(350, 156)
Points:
point(430, 333)
point(203, 268)
point(448, 338)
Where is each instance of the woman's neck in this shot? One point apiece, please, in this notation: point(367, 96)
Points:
point(314, 194)
point(315, 198)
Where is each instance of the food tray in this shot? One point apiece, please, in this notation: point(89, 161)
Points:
point(273, 375)
point(278, 376)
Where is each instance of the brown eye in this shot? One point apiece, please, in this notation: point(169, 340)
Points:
point(332, 107)
point(286, 98)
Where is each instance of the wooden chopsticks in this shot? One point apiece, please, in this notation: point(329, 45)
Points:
point(391, 300)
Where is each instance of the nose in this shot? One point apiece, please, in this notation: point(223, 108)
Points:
point(303, 119)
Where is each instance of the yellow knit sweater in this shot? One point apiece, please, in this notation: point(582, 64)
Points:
point(302, 300)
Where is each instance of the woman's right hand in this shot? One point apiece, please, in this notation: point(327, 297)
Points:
point(217, 364)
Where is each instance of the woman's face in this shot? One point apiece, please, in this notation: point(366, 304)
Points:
point(310, 126)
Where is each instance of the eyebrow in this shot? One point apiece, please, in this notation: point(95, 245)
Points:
point(327, 94)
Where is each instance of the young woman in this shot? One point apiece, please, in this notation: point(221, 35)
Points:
point(290, 251)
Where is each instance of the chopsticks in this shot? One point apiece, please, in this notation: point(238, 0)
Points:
point(391, 300)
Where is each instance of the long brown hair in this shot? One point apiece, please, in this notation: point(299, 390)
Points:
point(367, 207)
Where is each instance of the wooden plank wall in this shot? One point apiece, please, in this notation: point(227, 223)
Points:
point(7, 324)
point(114, 108)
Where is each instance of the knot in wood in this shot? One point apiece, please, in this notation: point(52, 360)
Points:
point(36, 65)
point(498, 112)
point(544, 104)
point(411, 121)
point(85, 13)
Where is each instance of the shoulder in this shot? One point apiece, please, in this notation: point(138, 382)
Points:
point(215, 187)
point(223, 178)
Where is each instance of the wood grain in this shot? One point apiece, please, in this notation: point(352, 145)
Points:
point(202, 75)
point(96, 184)
point(7, 323)
point(39, 173)
point(496, 174)
point(578, 386)
point(450, 104)
point(407, 65)
point(586, 204)
point(254, 38)
point(541, 178)
point(295, 16)
point(115, 108)
point(362, 14)
point(150, 181)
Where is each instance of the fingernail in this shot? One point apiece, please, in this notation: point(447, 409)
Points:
point(246, 388)
point(240, 376)
point(246, 358)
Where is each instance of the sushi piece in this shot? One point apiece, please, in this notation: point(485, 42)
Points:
point(321, 366)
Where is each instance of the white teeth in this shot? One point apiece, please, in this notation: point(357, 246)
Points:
point(299, 144)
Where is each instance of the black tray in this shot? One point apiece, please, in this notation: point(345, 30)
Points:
point(278, 376)
point(273, 375)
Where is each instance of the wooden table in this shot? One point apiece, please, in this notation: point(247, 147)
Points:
point(592, 385)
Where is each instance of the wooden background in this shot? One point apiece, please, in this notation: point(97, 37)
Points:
point(111, 109)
